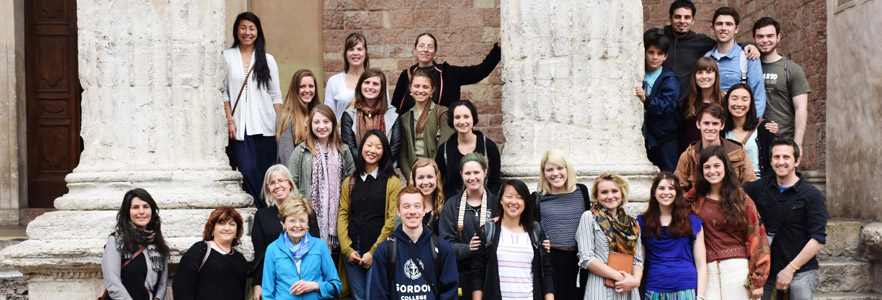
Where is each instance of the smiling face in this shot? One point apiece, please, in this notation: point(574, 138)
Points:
point(681, 20)
point(783, 161)
point(725, 29)
point(296, 226)
point(279, 186)
point(140, 212)
point(306, 89)
point(665, 193)
point(355, 55)
point(421, 89)
point(411, 210)
point(705, 79)
point(512, 203)
point(473, 174)
point(246, 32)
point(714, 170)
point(710, 127)
point(370, 88)
point(766, 39)
point(555, 175)
point(424, 179)
point(225, 231)
point(654, 58)
point(609, 195)
point(739, 103)
point(321, 126)
point(462, 119)
point(372, 151)
point(424, 49)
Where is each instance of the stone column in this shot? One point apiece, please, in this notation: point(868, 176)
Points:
point(11, 107)
point(570, 68)
point(152, 74)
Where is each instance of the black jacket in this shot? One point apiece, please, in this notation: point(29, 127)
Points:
point(348, 135)
point(459, 240)
point(447, 157)
point(486, 265)
point(448, 80)
point(764, 140)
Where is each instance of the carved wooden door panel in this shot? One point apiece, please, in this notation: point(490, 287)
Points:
point(53, 98)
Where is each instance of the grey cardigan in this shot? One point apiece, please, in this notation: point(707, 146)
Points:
point(285, 143)
point(111, 267)
point(300, 165)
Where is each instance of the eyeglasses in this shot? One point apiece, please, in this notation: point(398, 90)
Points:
point(425, 47)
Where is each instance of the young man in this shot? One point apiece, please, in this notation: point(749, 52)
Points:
point(687, 46)
point(795, 216)
point(413, 264)
point(786, 86)
point(732, 61)
point(661, 114)
point(710, 123)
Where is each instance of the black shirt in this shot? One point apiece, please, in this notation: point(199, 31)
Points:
point(222, 276)
point(793, 225)
point(448, 158)
point(367, 213)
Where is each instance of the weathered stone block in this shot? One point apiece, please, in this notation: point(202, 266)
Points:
point(844, 277)
point(843, 238)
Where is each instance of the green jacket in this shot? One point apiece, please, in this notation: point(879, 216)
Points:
point(436, 124)
point(300, 165)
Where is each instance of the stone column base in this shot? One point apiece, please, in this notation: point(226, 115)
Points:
point(75, 284)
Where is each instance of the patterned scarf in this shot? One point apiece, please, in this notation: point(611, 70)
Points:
point(142, 237)
point(483, 212)
point(621, 230)
point(298, 250)
point(326, 172)
point(369, 117)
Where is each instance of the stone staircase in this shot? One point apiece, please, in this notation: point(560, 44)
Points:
point(846, 273)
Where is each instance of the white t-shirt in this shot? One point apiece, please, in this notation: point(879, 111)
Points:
point(515, 257)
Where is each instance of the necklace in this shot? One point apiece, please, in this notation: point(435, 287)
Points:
point(222, 248)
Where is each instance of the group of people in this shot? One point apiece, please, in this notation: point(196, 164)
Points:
point(404, 199)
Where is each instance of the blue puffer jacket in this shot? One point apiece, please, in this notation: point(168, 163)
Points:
point(280, 273)
point(661, 112)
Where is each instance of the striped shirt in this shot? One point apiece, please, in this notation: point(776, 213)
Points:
point(593, 244)
point(560, 217)
point(515, 257)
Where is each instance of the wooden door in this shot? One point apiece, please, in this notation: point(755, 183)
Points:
point(53, 98)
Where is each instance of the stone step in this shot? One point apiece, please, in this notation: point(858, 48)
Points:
point(843, 238)
point(848, 296)
point(844, 276)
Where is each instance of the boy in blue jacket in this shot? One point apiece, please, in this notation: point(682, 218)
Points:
point(413, 264)
point(661, 113)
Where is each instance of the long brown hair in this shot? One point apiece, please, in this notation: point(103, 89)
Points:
point(294, 110)
point(334, 138)
point(732, 197)
point(381, 97)
point(351, 41)
point(751, 120)
point(424, 117)
point(438, 193)
point(693, 101)
point(680, 225)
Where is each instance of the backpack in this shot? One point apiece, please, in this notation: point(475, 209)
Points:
point(742, 61)
point(392, 258)
point(585, 197)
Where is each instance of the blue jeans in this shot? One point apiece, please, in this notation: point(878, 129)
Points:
point(359, 280)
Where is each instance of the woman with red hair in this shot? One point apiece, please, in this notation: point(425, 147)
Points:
point(225, 268)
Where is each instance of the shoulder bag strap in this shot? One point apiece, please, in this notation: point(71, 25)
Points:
point(124, 264)
point(391, 261)
point(205, 258)
point(749, 133)
point(244, 82)
point(422, 271)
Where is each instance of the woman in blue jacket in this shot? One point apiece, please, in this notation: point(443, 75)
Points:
point(297, 265)
point(661, 116)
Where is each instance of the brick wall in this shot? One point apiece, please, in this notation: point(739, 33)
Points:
point(804, 40)
point(465, 29)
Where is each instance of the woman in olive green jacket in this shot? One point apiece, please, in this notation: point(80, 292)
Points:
point(424, 126)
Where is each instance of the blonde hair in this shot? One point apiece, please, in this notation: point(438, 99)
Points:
point(556, 157)
point(294, 205)
point(438, 193)
point(616, 179)
point(265, 191)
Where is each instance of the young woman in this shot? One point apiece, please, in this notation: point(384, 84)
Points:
point(449, 78)
point(512, 251)
point(424, 126)
point(293, 123)
point(604, 229)
point(369, 111)
point(367, 209)
point(252, 98)
point(427, 178)
point(341, 87)
point(225, 268)
point(298, 265)
point(135, 261)
point(560, 202)
point(318, 166)
point(735, 239)
point(743, 126)
point(705, 88)
point(463, 215)
point(463, 116)
point(673, 243)
point(277, 187)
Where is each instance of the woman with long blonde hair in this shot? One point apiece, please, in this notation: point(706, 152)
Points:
point(292, 125)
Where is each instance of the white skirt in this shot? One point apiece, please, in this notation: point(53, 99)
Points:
point(725, 279)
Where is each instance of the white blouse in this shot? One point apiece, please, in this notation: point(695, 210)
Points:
point(337, 96)
point(255, 113)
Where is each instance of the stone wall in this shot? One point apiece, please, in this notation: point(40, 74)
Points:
point(11, 108)
point(804, 40)
point(855, 84)
point(465, 29)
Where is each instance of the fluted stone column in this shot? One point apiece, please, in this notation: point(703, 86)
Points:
point(570, 68)
point(152, 74)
